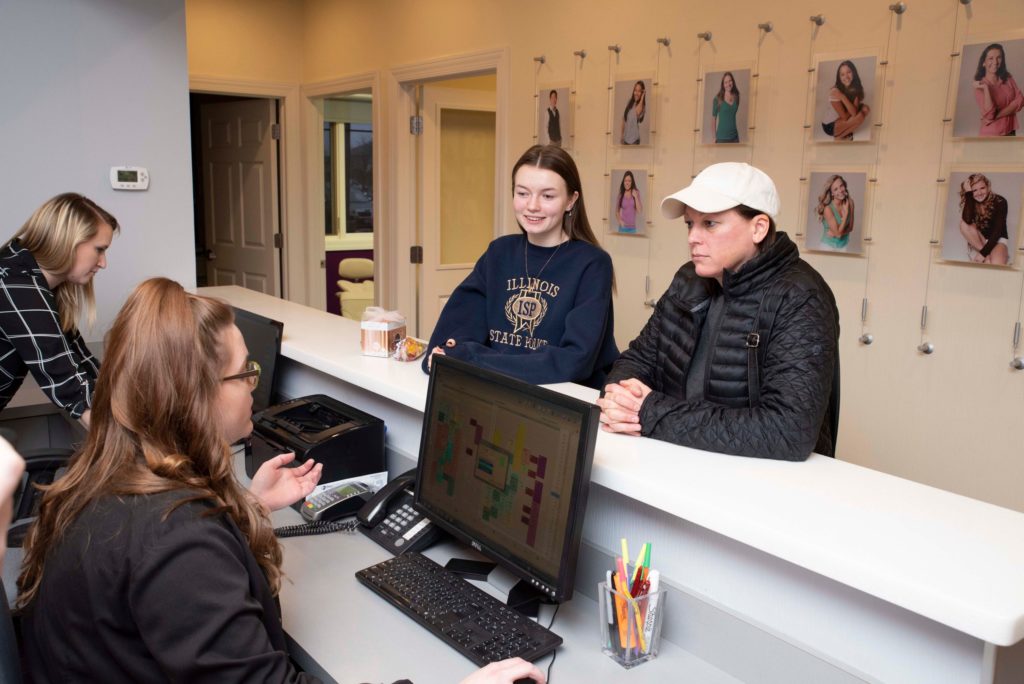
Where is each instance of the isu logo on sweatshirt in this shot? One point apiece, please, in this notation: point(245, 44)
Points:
point(526, 307)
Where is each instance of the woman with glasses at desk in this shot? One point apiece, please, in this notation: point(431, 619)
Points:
point(149, 562)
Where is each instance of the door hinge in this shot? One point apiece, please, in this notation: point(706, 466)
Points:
point(277, 240)
point(275, 131)
point(416, 124)
point(416, 254)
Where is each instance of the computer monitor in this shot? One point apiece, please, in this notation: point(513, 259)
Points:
point(505, 467)
point(263, 338)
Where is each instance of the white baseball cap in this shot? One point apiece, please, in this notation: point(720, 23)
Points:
point(723, 186)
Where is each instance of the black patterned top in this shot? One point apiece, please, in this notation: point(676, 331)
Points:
point(31, 338)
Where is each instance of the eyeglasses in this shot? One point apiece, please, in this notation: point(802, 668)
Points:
point(251, 374)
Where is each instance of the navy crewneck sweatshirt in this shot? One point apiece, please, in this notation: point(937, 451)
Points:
point(540, 314)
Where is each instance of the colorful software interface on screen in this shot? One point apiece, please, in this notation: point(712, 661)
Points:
point(500, 465)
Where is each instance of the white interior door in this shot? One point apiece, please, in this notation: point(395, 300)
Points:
point(459, 204)
point(239, 161)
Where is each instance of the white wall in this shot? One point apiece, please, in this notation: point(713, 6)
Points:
point(89, 84)
point(949, 419)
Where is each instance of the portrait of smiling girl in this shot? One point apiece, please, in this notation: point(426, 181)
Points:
point(631, 128)
point(844, 90)
point(724, 108)
point(629, 206)
point(998, 97)
point(982, 216)
point(836, 213)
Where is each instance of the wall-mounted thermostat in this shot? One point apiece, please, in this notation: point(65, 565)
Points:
point(129, 178)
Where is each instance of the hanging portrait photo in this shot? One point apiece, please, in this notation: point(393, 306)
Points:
point(844, 97)
point(989, 100)
point(982, 217)
point(631, 112)
point(554, 116)
point(836, 210)
point(629, 201)
point(726, 104)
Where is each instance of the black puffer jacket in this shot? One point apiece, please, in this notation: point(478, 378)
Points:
point(789, 408)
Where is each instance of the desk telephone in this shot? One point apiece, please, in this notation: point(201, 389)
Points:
point(386, 517)
point(389, 518)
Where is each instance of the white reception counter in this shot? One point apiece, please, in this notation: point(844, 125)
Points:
point(818, 571)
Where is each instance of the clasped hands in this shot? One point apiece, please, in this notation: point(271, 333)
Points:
point(620, 406)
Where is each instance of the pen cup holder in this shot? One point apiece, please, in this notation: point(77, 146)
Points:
point(630, 627)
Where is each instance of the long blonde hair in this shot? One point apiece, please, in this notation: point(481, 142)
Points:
point(825, 198)
point(51, 234)
point(155, 426)
point(973, 211)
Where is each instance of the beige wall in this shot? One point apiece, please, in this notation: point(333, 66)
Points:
point(245, 40)
point(950, 419)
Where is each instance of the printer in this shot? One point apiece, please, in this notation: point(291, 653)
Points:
point(348, 442)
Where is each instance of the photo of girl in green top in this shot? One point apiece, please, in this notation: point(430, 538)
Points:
point(835, 211)
point(726, 105)
point(723, 111)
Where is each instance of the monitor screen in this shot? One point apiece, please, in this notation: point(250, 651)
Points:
point(505, 466)
point(263, 338)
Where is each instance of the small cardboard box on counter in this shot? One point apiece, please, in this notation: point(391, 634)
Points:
point(381, 331)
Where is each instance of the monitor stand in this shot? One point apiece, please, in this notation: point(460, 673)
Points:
point(526, 598)
point(470, 569)
point(522, 597)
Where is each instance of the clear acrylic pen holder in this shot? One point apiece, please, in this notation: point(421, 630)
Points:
point(630, 627)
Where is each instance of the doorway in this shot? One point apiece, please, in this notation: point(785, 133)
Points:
point(406, 246)
point(235, 185)
point(457, 166)
point(349, 217)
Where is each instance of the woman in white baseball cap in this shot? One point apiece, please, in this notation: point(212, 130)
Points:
point(741, 353)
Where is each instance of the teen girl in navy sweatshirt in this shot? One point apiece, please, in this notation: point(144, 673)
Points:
point(538, 305)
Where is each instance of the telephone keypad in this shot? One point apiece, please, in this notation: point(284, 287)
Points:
point(403, 528)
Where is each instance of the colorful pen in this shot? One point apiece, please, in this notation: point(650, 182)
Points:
point(625, 559)
point(639, 561)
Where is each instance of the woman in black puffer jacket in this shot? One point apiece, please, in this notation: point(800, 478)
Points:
point(741, 354)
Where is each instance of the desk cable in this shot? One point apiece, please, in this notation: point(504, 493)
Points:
point(554, 654)
point(319, 527)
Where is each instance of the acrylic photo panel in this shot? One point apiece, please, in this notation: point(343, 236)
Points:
point(723, 122)
point(982, 216)
point(554, 116)
point(844, 113)
point(836, 211)
point(632, 112)
point(991, 77)
point(629, 201)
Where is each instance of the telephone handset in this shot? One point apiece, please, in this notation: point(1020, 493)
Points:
point(374, 510)
point(389, 519)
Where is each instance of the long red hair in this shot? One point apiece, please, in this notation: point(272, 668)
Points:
point(154, 426)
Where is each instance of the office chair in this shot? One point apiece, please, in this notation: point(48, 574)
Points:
point(355, 286)
point(42, 466)
point(44, 438)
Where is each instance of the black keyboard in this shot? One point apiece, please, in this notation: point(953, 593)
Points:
point(467, 618)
